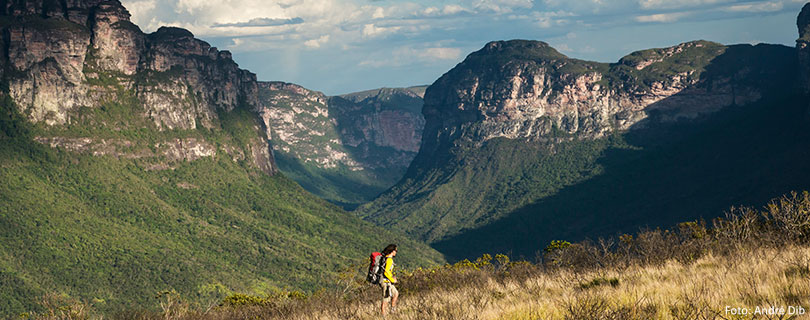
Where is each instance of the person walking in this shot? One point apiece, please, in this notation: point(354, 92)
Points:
point(390, 292)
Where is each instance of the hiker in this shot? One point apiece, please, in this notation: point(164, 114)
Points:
point(388, 280)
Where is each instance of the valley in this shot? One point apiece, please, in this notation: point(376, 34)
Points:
point(147, 175)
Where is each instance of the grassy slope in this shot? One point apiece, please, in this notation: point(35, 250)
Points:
point(702, 289)
point(106, 231)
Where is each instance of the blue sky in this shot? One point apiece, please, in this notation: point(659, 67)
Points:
point(341, 46)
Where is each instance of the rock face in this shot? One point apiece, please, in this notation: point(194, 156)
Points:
point(532, 102)
point(527, 90)
point(387, 117)
point(62, 55)
point(369, 137)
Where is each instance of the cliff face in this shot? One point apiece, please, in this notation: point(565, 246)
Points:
point(368, 138)
point(62, 56)
point(527, 90)
point(517, 121)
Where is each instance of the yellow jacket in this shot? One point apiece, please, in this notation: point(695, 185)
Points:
point(388, 272)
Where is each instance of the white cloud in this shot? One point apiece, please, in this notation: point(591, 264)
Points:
point(502, 6)
point(757, 7)
point(430, 11)
point(452, 9)
point(139, 9)
point(549, 19)
point(662, 17)
point(671, 4)
point(410, 55)
point(440, 53)
point(379, 13)
point(316, 43)
point(261, 22)
point(447, 10)
point(372, 31)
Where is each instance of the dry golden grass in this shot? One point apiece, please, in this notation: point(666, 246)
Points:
point(702, 289)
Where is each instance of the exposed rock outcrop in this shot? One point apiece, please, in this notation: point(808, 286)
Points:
point(318, 129)
point(356, 144)
point(526, 89)
point(51, 64)
point(61, 55)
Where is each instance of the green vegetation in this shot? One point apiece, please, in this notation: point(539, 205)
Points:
point(746, 259)
point(107, 232)
point(341, 185)
point(494, 180)
point(690, 62)
point(747, 156)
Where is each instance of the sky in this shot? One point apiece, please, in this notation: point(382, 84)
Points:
point(343, 46)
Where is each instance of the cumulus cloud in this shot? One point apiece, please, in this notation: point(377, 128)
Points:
point(140, 9)
point(550, 19)
point(372, 31)
point(316, 43)
point(672, 4)
point(261, 22)
point(502, 6)
point(662, 17)
point(379, 13)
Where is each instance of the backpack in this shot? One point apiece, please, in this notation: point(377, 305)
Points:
point(376, 268)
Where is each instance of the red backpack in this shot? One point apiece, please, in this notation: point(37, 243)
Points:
point(376, 268)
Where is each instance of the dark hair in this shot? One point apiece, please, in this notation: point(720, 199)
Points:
point(390, 248)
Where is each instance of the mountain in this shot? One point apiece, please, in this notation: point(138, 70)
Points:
point(346, 149)
point(134, 163)
point(523, 145)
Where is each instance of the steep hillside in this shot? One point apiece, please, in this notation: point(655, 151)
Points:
point(135, 163)
point(523, 144)
point(346, 149)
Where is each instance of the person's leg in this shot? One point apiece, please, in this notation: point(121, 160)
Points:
point(394, 297)
point(386, 297)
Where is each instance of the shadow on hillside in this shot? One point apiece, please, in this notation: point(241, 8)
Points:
point(743, 155)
